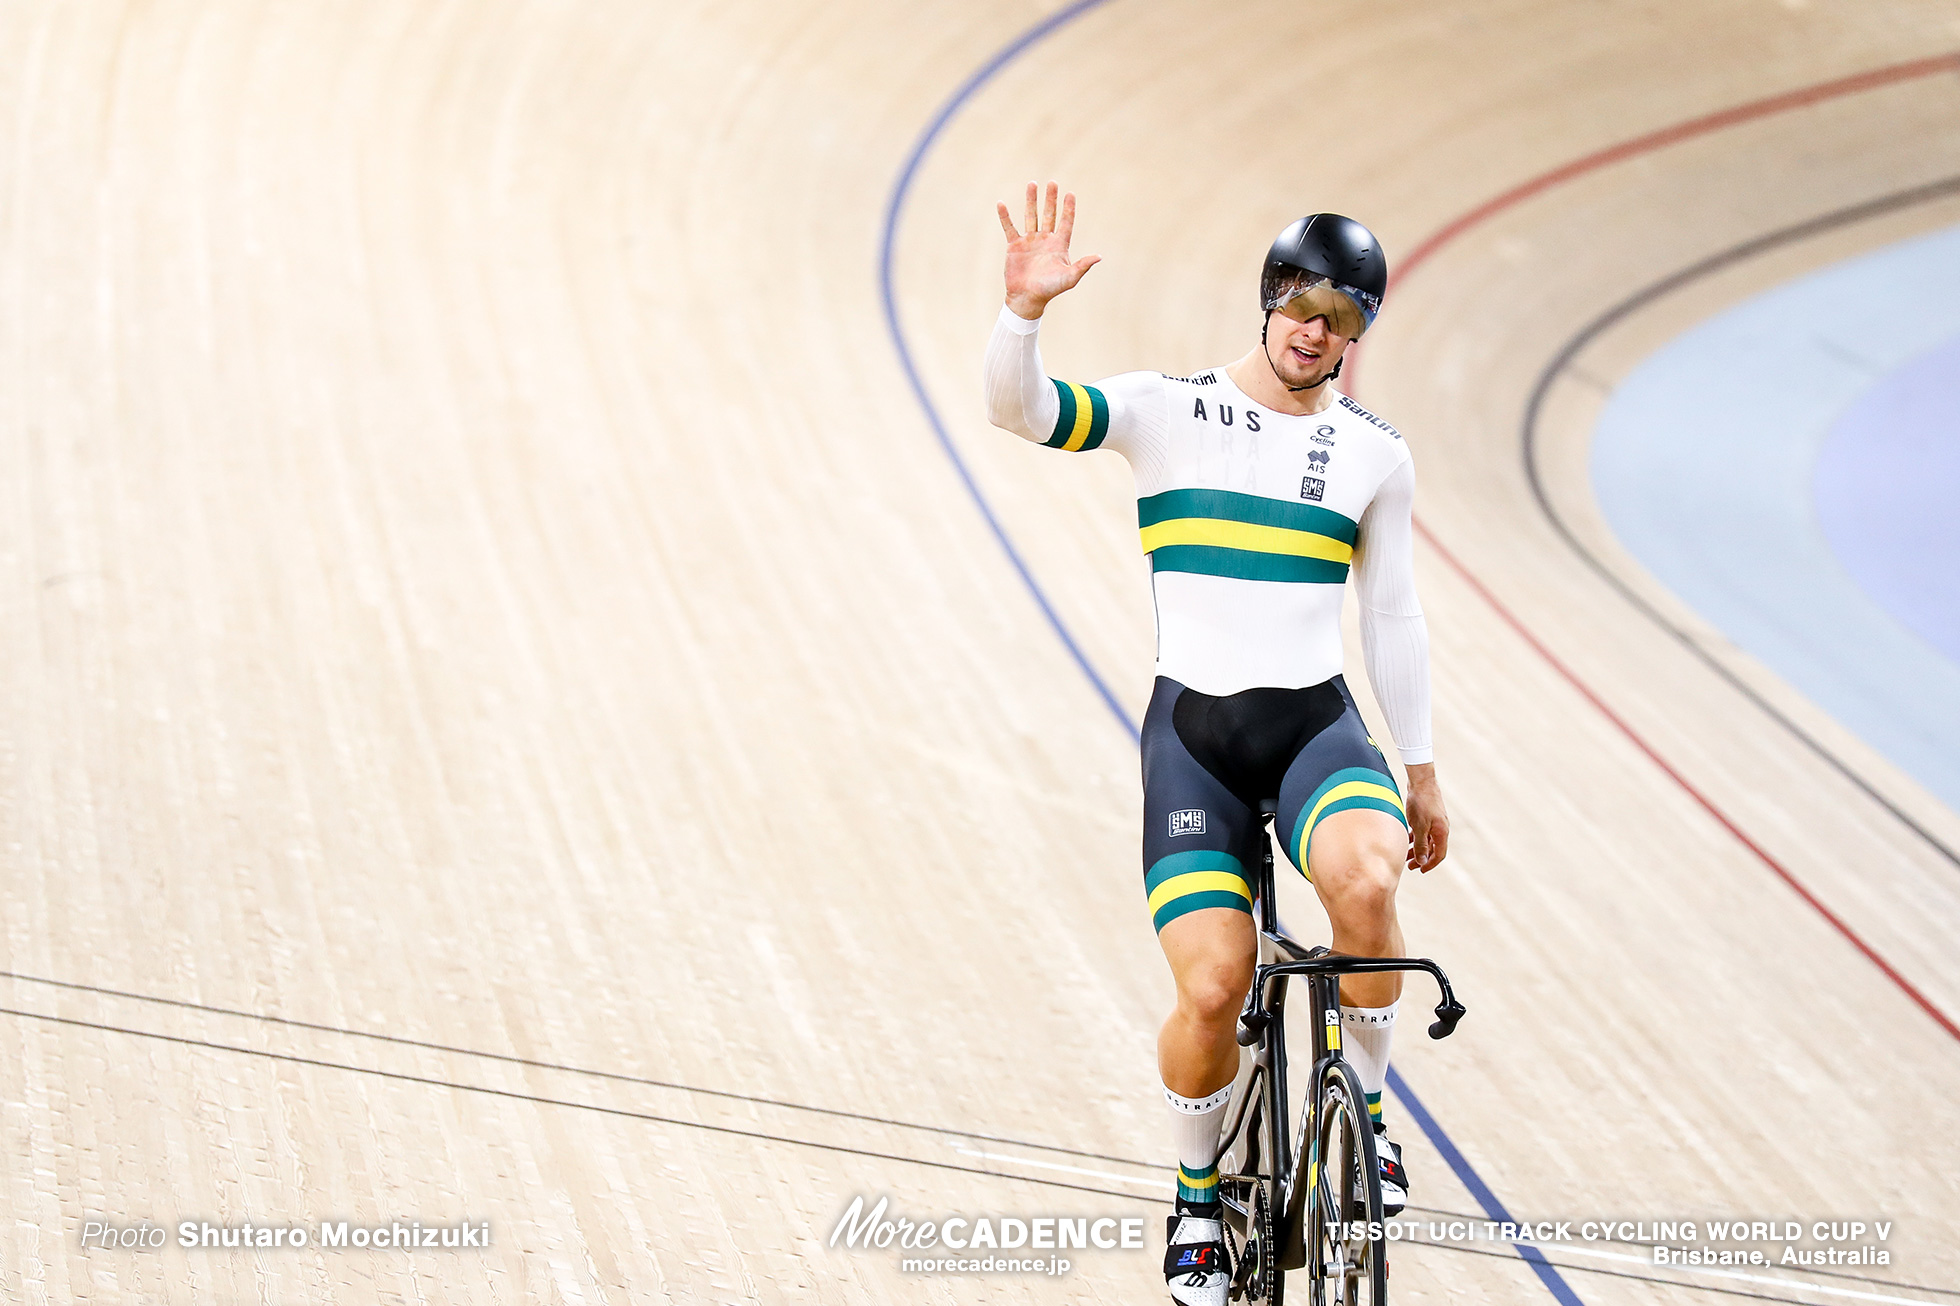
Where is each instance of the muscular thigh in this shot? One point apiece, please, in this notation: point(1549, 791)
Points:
point(1339, 806)
point(1197, 836)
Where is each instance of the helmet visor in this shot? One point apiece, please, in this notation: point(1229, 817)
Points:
point(1348, 311)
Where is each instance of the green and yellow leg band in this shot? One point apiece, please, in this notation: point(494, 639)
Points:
point(1352, 787)
point(1186, 882)
point(1197, 1185)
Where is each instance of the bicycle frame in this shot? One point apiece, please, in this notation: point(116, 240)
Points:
point(1262, 1028)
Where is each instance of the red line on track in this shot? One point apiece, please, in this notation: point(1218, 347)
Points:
point(1708, 806)
point(1775, 104)
point(1797, 99)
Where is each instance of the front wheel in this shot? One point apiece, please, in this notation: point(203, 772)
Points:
point(1347, 1256)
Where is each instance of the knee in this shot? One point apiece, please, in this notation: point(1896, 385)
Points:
point(1362, 898)
point(1214, 993)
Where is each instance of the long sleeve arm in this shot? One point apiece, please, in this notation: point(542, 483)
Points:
point(1124, 413)
point(1020, 397)
point(1394, 637)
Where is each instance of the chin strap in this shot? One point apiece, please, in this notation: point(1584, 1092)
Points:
point(1296, 389)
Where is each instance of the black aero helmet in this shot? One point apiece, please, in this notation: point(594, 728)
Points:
point(1326, 245)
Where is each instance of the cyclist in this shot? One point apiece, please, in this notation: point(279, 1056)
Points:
point(1258, 488)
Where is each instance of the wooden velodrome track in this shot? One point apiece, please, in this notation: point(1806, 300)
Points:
point(486, 606)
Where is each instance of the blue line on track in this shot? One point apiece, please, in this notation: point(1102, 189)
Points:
point(894, 209)
point(1478, 1188)
point(1005, 56)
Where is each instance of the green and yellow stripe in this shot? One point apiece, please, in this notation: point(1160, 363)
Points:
point(1346, 789)
point(1084, 419)
point(1247, 536)
point(1197, 1186)
point(1185, 882)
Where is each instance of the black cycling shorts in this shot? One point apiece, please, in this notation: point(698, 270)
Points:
point(1208, 763)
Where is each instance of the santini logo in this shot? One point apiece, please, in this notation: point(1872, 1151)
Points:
point(1312, 487)
point(1189, 821)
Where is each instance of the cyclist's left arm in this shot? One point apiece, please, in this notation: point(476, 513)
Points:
point(1395, 649)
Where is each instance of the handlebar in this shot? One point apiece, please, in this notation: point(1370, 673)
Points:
point(1448, 1011)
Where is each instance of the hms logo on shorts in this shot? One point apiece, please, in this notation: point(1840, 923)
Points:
point(1312, 487)
point(1189, 821)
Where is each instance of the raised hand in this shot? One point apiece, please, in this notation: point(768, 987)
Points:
point(1038, 266)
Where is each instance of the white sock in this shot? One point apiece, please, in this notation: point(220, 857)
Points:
point(1195, 1124)
point(1366, 1033)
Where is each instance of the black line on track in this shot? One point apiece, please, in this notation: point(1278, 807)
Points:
point(1882, 1283)
point(538, 1100)
point(581, 1070)
point(759, 1136)
point(1641, 1278)
point(1543, 1247)
point(724, 1129)
point(1561, 363)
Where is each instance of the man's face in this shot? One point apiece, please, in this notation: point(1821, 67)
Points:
point(1302, 352)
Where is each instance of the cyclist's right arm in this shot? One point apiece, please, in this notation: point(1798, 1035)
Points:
point(1124, 413)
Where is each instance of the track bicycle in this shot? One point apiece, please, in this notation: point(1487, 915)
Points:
point(1312, 1199)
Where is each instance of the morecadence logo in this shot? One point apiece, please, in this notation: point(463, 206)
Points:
point(972, 1242)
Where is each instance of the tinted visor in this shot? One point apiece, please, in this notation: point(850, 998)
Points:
point(1348, 311)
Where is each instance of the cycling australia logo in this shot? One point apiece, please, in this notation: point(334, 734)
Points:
point(1189, 821)
point(1323, 435)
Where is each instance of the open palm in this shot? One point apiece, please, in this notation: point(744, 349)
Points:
point(1038, 266)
